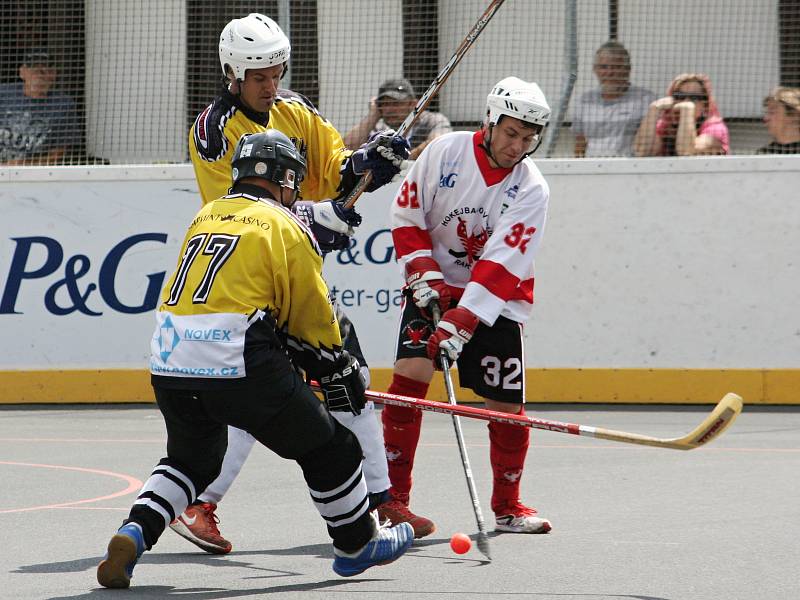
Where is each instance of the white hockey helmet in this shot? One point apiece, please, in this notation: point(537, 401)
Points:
point(252, 42)
point(519, 99)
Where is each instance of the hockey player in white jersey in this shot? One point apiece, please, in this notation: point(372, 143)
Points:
point(467, 223)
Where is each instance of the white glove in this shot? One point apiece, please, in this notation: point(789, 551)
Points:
point(404, 166)
point(330, 222)
point(387, 153)
point(326, 215)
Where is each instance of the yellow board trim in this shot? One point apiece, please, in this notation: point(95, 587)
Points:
point(625, 386)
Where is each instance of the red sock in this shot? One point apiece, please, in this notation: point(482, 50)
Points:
point(401, 427)
point(508, 447)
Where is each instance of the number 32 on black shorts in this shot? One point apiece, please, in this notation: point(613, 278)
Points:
point(491, 364)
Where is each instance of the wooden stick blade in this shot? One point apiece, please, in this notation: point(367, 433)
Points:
point(718, 421)
point(722, 417)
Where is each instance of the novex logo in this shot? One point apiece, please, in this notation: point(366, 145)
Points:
point(207, 335)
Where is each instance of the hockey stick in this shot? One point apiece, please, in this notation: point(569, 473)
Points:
point(723, 415)
point(483, 539)
point(432, 90)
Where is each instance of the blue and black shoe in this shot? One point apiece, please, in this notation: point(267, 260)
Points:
point(388, 544)
point(124, 549)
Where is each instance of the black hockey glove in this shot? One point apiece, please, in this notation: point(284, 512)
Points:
point(342, 387)
point(330, 222)
point(383, 154)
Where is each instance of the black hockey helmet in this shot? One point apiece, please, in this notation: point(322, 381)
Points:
point(269, 155)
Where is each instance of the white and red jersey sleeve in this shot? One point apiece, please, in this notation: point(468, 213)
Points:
point(409, 211)
point(502, 279)
point(482, 225)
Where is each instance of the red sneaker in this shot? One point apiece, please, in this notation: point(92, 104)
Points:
point(198, 524)
point(515, 517)
point(397, 511)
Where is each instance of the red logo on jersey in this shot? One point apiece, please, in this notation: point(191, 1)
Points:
point(473, 242)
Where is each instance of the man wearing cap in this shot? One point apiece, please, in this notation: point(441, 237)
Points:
point(387, 110)
point(38, 124)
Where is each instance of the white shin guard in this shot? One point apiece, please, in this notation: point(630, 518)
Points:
point(239, 445)
point(370, 435)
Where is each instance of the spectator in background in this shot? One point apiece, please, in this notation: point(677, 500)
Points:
point(685, 122)
point(606, 119)
point(387, 110)
point(782, 118)
point(38, 124)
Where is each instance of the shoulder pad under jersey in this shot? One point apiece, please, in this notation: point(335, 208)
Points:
point(209, 130)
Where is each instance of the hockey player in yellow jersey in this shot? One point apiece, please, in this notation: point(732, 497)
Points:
point(254, 54)
point(245, 304)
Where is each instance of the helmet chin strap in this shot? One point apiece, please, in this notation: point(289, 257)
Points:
point(293, 197)
point(281, 199)
point(527, 154)
point(487, 143)
point(229, 84)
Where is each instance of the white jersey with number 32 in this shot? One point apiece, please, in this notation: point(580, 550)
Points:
point(482, 225)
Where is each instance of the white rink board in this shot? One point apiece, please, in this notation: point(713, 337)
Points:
point(689, 263)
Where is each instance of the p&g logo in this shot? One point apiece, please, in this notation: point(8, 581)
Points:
point(448, 180)
point(74, 270)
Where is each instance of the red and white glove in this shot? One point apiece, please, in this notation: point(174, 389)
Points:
point(453, 331)
point(424, 278)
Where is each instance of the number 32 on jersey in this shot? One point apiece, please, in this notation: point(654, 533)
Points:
point(407, 196)
point(519, 236)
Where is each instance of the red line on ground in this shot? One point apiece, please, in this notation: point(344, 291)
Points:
point(133, 486)
point(85, 440)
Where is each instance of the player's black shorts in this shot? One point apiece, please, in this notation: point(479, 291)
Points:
point(491, 364)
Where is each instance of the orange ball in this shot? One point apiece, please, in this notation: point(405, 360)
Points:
point(460, 543)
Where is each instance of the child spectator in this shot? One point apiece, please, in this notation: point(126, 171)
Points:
point(782, 118)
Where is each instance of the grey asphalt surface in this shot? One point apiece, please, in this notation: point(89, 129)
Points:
point(720, 522)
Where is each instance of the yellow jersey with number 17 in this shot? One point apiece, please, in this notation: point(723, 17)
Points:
point(248, 280)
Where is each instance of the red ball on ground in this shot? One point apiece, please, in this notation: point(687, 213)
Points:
point(460, 543)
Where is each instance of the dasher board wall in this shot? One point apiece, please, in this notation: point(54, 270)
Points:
point(658, 280)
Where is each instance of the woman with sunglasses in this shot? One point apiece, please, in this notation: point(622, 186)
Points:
point(685, 122)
